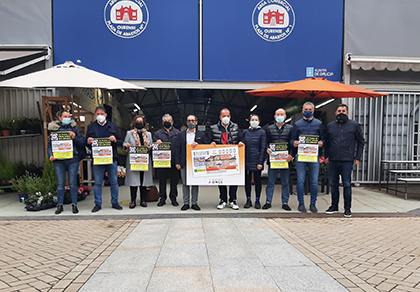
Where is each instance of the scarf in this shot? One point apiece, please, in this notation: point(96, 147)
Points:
point(140, 140)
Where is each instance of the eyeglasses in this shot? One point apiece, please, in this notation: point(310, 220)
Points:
point(190, 121)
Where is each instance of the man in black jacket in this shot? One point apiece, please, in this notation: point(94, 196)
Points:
point(105, 129)
point(343, 147)
point(167, 134)
point(188, 137)
point(226, 132)
point(276, 133)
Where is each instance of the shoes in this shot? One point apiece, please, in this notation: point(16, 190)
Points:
point(132, 205)
point(248, 204)
point(59, 209)
point(143, 204)
point(74, 209)
point(195, 207)
point(286, 207)
point(266, 206)
point(175, 203)
point(301, 208)
point(221, 205)
point(347, 213)
point(117, 206)
point(185, 207)
point(257, 204)
point(331, 210)
point(233, 205)
point(96, 208)
point(312, 208)
point(161, 203)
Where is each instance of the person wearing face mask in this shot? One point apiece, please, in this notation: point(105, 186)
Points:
point(192, 137)
point(103, 128)
point(138, 136)
point(71, 166)
point(167, 134)
point(343, 148)
point(277, 133)
point(308, 125)
point(255, 140)
point(226, 132)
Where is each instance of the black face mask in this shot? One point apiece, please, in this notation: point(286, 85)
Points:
point(139, 125)
point(191, 125)
point(167, 125)
point(342, 118)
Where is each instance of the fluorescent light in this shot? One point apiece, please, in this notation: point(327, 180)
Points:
point(324, 103)
point(75, 104)
point(82, 118)
point(288, 120)
point(253, 108)
point(137, 106)
point(135, 110)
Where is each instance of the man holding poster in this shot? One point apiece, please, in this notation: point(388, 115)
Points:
point(307, 137)
point(226, 132)
point(104, 137)
point(280, 154)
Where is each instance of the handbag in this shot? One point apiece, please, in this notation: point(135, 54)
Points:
point(152, 194)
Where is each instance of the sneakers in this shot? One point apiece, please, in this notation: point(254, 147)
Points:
point(257, 204)
point(347, 213)
point(74, 209)
point(221, 205)
point(248, 204)
point(185, 207)
point(195, 207)
point(331, 210)
point(96, 208)
point(233, 205)
point(59, 209)
point(312, 208)
point(301, 208)
point(117, 207)
point(286, 207)
point(266, 206)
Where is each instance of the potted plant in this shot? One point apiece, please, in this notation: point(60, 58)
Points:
point(6, 126)
point(121, 171)
point(34, 126)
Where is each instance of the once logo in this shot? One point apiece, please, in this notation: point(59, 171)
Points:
point(273, 20)
point(125, 18)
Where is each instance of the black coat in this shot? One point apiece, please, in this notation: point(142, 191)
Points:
point(166, 136)
point(255, 141)
point(284, 134)
point(233, 133)
point(181, 146)
point(111, 130)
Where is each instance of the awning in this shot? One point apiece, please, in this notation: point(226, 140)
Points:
point(19, 57)
point(382, 63)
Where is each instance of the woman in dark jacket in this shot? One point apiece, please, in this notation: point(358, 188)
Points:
point(70, 165)
point(255, 140)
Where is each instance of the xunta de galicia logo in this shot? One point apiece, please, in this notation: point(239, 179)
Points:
point(126, 19)
point(273, 20)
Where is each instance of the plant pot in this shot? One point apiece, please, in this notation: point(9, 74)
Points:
point(23, 132)
point(5, 132)
point(43, 206)
point(32, 208)
point(22, 197)
point(51, 205)
point(15, 132)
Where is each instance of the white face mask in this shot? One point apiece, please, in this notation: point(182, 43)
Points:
point(254, 124)
point(101, 119)
point(225, 120)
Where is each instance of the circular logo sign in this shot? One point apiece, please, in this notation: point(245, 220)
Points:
point(273, 20)
point(126, 19)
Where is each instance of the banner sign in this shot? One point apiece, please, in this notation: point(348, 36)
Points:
point(279, 155)
point(139, 158)
point(162, 155)
point(308, 148)
point(208, 165)
point(102, 151)
point(62, 145)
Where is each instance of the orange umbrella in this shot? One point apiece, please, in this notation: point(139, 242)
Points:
point(314, 88)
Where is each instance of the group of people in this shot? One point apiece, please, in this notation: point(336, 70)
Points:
point(343, 142)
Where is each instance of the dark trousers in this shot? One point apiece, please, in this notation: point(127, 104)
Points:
point(232, 193)
point(343, 168)
point(143, 190)
point(257, 180)
point(173, 175)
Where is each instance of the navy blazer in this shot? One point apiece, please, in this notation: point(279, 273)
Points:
point(181, 146)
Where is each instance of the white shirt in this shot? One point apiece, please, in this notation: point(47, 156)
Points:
point(190, 137)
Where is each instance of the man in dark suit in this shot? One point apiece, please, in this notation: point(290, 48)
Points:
point(188, 137)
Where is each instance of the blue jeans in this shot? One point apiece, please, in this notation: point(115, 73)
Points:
point(98, 173)
point(343, 168)
point(61, 167)
point(285, 177)
point(313, 171)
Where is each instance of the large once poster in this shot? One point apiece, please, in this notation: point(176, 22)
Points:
point(102, 151)
point(62, 145)
point(139, 158)
point(308, 148)
point(221, 165)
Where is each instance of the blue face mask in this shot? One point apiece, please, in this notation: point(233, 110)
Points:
point(307, 114)
point(280, 119)
point(66, 121)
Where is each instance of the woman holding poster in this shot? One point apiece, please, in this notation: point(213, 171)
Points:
point(63, 144)
point(255, 140)
point(134, 140)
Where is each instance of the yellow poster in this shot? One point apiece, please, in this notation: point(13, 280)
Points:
point(62, 145)
point(308, 148)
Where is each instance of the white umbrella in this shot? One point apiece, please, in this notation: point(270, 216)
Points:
point(68, 75)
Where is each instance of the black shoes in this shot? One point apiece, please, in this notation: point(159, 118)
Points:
point(185, 207)
point(195, 207)
point(312, 208)
point(161, 203)
point(132, 205)
point(248, 204)
point(175, 203)
point(117, 207)
point(257, 204)
point(286, 207)
point(301, 208)
point(143, 204)
point(96, 208)
point(331, 210)
point(74, 209)
point(347, 213)
point(266, 206)
point(59, 209)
